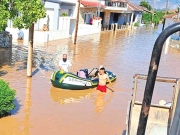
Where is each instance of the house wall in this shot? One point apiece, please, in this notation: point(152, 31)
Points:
point(106, 18)
point(55, 10)
point(123, 18)
point(66, 11)
point(137, 17)
point(168, 22)
point(83, 10)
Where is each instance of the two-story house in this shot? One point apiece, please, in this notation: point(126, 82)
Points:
point(120, 12)
point(111, 11)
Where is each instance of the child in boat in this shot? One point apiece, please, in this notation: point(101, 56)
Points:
point(103, 77)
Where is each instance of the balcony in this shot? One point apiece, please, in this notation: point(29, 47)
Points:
point(115, 5)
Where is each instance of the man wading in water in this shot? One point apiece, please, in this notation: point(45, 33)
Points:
point(103, 77)
point(64, 64)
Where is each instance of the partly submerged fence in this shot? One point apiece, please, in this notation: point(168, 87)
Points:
point(114, 27)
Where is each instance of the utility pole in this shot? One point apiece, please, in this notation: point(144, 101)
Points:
point(153, 9)
point(165, 14)
point(98, 8)
point(166, 7)
point(77, 23)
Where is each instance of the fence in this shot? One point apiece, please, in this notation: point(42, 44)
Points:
point(160, 116)
point(114, 27)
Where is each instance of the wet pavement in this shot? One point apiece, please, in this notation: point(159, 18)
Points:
point(44, 110)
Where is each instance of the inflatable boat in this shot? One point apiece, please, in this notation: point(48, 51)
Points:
point(66, 80)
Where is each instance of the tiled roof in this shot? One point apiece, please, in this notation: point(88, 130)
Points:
point(172, 11)
point(133, 7)
point(86, 3)
point(171, 15)
point(120, 0)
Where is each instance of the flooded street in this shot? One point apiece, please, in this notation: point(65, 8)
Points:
point(44, 110)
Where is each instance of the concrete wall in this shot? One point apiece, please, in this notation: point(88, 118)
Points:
point(87, 29)
point(106, 18)
point(59, 27)
point(123, 18)
point(5, 39)
point(54, 10)
point(65, 32)
point(168, 22)
point(88, 11)
point(138, 17)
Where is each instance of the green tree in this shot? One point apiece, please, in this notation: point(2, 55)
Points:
point(147, 17)
point(145, 4)
point(7, 96)
point(4, 16)
point(7, 12)
point(29, 11)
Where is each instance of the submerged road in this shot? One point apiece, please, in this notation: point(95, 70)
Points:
point(45, 110)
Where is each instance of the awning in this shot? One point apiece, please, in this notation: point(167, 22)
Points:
point(86, 3)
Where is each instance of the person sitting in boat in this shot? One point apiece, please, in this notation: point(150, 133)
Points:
point(64, 64)
point(103, 77)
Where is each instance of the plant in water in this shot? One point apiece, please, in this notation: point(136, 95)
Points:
point(64, 14)
point(7, 96)
point(136, 24)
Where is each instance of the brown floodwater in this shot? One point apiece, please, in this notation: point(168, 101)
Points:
point(44, 110)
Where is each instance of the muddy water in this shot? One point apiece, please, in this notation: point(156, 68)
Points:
point(44, 110)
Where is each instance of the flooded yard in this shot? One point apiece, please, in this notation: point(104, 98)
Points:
point(42, 109)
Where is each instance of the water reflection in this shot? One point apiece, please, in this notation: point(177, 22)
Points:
point(100, 101)
point(64, 97)
point(27, 106)
point(11, 125)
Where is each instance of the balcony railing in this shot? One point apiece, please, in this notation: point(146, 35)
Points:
point(116, 4)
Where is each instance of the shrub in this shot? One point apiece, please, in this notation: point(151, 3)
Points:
point(7, 96)
point(64, 14)
point(136, 24)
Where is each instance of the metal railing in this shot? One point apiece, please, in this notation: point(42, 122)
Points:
point(114, 27)
point(152, 73)
point(116, 4)
point(172, 108)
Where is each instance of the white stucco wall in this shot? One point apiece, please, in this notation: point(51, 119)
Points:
point(54, 10)
point(168, 22)
point(59, 27)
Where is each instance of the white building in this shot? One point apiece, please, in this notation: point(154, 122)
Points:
point(62, 21)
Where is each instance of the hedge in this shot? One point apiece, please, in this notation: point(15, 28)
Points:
point(7, 96)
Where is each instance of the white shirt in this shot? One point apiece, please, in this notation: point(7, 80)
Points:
point(65, 65)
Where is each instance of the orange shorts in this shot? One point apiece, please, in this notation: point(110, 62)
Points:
point(101, 88)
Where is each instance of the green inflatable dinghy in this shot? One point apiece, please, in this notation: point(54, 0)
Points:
point(66, 80)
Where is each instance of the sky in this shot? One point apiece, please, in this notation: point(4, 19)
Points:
point(160, 4)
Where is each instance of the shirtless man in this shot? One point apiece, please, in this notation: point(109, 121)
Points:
point(103, 77)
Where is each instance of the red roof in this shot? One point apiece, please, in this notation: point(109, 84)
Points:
point(86, 3)
point(171, 15)
point(133, 7)
point(120, 0)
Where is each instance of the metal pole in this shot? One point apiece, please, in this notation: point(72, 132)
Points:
point(98, 8)
point(165, 14)
point(152, 73)
point(166, 7)
point(77, 23)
